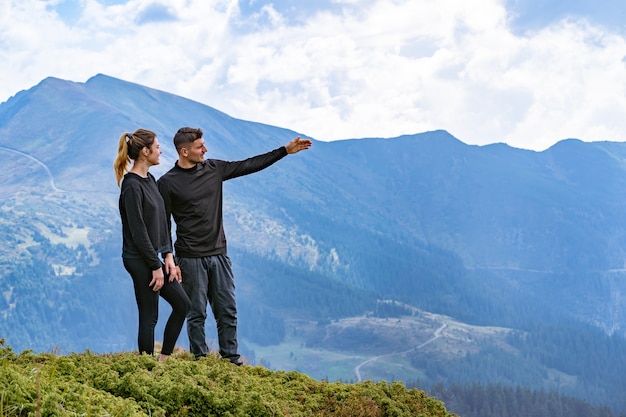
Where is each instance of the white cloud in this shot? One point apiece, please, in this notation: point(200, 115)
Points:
point(388, 68)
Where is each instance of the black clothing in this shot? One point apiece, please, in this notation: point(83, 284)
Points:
point(194, 198)
point(148, 307)
point(144, 226)
point(146, 234)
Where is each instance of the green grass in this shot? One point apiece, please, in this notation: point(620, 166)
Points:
point(128, 384)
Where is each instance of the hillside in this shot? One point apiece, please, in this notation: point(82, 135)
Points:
point(125, 384)
point(354, 252)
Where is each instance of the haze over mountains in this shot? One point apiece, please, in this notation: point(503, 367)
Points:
point(350, 251)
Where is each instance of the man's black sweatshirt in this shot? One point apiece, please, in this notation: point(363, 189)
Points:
point(193, 197)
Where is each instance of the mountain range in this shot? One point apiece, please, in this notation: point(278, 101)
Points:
point(418, 258)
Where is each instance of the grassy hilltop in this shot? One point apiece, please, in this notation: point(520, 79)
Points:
point(127, 384)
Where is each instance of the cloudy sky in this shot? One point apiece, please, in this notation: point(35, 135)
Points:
point(525, 72)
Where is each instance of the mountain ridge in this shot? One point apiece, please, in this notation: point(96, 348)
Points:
point(489, 235)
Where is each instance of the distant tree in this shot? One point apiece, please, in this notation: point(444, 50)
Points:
point(495, 400)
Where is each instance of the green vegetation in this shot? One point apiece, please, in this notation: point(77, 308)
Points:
point(127, 384)
point(573, 359)
point(494, 400)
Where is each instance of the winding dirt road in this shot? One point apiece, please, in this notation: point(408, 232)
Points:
point(52, 184)
point(436, 335)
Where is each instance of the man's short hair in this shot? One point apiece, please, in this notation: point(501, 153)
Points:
point(185, 136)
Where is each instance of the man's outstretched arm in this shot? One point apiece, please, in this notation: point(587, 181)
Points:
point(296, 145)
point(236, 169)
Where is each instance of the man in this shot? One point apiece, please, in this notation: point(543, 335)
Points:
point(192, 191)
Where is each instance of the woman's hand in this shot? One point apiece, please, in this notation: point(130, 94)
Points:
point(158, 279)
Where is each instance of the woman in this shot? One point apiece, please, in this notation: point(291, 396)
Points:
point(145, 236)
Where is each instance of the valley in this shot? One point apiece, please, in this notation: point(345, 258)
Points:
point(362, 348)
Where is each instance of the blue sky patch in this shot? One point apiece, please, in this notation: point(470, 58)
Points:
point(155, 13)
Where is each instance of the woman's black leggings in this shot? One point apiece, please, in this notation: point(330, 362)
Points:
point(148, 305)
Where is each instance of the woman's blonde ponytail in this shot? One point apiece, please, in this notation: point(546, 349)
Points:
point(122, 161)
point(128, 149)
